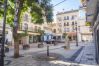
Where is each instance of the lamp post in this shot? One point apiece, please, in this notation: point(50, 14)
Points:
point(3, 35)
point(76, 34)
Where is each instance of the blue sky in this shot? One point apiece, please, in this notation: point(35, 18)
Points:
point(67, 5)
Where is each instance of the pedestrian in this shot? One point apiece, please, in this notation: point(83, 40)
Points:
point(6, 42)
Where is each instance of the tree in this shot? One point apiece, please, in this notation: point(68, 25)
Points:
point(64, 35)
point(10, 11)
point(67, 44)
point(22, 6)
point(41, 34)
point(14, 16)
point(48, 9)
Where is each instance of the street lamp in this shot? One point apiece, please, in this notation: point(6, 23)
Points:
point(3, 35)
point(76, 34)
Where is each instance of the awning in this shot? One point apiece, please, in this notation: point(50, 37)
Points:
point(71, 34)
point(29, 33)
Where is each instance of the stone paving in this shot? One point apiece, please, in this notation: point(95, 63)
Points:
point(28, 60)
point(87, 55)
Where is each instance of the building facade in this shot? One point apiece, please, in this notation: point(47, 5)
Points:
point(47, 31)
point(72, 24)
point(30, 28)
point(92, 12)
point(68, 22)
point(56, 31)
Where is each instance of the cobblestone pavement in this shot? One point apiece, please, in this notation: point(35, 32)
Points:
point(28, 60)
point(87, 56)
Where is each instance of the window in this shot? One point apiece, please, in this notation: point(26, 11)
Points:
point(67, 23)
point(64, 24)
point(64, 18)
point(75, 23)
point(54, 30)
point(73, 17)
point(72, 23)
point(26, 18)
point(67, 17)
point(67, 29)
point(59, 19)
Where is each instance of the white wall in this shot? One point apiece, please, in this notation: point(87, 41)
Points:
point(9, 36)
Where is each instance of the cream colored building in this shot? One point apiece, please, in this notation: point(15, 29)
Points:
point(68, 21)
point(56, 31)
point(92, 12)
point(31, 28)
point(74, 25)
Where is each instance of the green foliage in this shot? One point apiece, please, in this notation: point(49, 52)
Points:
point(64, 35)
point(35, 11)
point(25, 5)
point(48, 8)
point(1, 8)
point(10, 11)
point(41, 32)
point(88, 23)
point(25, 33)
point(49, 15)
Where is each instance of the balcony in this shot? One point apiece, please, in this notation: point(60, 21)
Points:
point(30, 29)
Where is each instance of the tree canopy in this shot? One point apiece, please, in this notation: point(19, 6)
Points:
point(48, 8)
point(25, 5)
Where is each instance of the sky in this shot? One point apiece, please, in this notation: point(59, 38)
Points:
point(65, 6)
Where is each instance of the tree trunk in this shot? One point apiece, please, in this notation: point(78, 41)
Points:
point(18, 6)
point(16, 49)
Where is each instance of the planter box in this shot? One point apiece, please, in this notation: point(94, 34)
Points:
point(40, 45)
point(26, 47)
